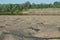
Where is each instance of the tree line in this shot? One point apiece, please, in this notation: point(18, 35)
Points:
point(17, 8)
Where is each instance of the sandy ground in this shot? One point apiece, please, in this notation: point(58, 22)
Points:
point(29, 27)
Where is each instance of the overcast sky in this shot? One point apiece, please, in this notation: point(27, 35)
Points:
point(22, 1)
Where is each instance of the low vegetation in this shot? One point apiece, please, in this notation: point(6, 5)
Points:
point(16, 9)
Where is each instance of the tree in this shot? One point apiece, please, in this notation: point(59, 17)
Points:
point(27, 5)
point(57, 4)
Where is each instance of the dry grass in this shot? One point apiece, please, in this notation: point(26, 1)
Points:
point(21, 27)
point(31, 27)
point(48, 11)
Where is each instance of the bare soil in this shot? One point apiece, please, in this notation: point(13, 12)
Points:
point(33, 27)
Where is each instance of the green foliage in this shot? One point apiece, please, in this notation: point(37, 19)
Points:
point(57, 4)
point(17, 8)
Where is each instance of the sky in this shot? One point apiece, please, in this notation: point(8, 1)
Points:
point(22, 1)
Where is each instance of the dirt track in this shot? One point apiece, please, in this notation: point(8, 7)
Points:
point(25, 27)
